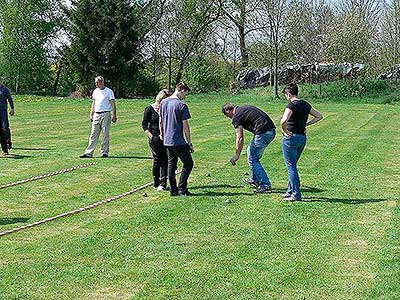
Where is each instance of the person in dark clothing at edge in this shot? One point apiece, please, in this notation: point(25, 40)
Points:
point(3, 141)
point(294, 122)
point(5, 96)
point(175, 132)
point(260, 124)
point(151, 126)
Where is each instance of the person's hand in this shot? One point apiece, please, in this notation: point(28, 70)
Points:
point(114, 119)
point(234, 159)
point(12, 112)
point(287, 133)
point(191, 148)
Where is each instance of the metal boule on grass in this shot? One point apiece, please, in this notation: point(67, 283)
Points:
point(208, 174)
point(228, 201)
point(144, 194)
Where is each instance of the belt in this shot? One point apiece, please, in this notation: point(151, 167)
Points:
point(101, 112)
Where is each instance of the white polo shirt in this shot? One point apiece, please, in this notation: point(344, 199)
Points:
point(102, 99)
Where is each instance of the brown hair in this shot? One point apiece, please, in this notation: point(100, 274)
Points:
point(291, 88)
point(228, 107)
point(181, 86)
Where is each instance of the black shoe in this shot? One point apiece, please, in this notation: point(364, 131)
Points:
point(250, 182)
point(174, 193)
point(185, 193)
point(104, 155)
point(263, 190)
point(85, 156)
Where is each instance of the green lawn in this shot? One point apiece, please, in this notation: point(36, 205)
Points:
point(341, 243)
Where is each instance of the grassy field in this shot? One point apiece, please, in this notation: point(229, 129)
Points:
point(341, 243)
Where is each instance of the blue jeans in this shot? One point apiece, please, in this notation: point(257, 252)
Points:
point(5, 125)
point(292, 148)
point(254, 153)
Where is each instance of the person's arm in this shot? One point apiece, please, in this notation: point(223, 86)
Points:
point(160, 124)
point(10, 100)
point(239, 145)
point(146, 121)
point(114, 111)
point(286, 116)
point(92, 111)
point(317, 116)
point(186, 130)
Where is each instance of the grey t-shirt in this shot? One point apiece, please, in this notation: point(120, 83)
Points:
point(173, 112)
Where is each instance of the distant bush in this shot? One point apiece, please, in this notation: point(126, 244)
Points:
point(207, 74)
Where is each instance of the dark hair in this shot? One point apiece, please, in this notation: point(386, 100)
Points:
point(291, 88)
point(181, 86)
point(228, 107)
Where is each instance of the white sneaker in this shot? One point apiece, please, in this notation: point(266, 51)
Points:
point(161, 188)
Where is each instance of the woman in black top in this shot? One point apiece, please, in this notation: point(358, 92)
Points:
point(294, 123)
point(151, 127)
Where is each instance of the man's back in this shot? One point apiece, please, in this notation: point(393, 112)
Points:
point(173, 112)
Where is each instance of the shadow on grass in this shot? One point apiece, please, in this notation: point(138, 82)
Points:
point(222, 194)
point(131, 157)
point(216, 194)
point(7, 221)
point(32, 149)
point(216, 186)
point(304, 189)
point(344, 200)
point(17, 156)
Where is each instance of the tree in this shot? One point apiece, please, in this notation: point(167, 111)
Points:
point(104, 40)
point(274, 12)
point(390, 35)
point(309, 23)
point(27, 28)
point(189, 22)
point(241, 14)
point(356, 25)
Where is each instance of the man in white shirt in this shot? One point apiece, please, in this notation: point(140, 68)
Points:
point(100, 116)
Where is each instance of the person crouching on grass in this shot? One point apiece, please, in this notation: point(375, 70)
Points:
point(263, 128)
point(100, 116)
point(151, 126)
point(294, 123)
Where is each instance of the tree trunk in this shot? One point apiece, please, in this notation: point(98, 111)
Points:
point(170, 66)
point(276, 92)
point(243, 49)
point(179, 75)
point(56, 82)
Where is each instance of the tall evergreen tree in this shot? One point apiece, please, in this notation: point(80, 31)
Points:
point(104, 41)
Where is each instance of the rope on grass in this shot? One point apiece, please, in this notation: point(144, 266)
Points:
point(75, 211)
point(78, 210)
point(47, 175)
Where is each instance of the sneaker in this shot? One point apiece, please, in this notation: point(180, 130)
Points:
point(86, 156)
point(174, 193)
point(286, 195)
point(185, 193)
point(161, 188)
point(263, 190)
point(104, 155)
point(5, 153)
point(291, 199)
point(250, 182)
